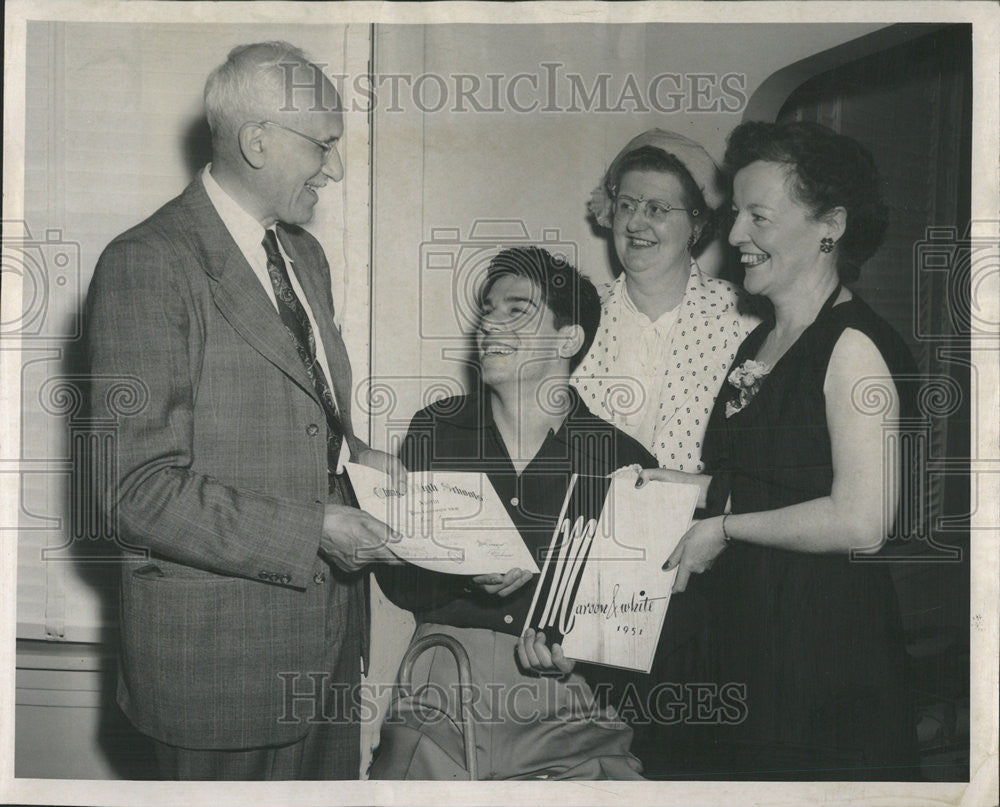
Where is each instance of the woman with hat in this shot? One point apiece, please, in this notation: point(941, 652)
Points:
point(668, 335)
point(668, 331)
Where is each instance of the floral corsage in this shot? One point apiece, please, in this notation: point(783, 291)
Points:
point(747, 378)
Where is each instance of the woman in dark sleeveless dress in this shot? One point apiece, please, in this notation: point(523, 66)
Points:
point(802, 468)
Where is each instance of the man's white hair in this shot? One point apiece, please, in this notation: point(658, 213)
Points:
point(249, 85)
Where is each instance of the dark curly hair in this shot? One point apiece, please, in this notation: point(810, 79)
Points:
point(829, 170)
point(569, 295)
point(651, 158)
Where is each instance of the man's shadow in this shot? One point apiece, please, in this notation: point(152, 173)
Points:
point(98, 560)
point(197, 146)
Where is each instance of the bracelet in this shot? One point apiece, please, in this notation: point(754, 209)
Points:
point(725, 535)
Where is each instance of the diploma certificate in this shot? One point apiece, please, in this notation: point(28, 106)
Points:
point(451, 521)
point(603, 593)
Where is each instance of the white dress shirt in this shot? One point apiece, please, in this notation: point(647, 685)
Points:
point(641, 364)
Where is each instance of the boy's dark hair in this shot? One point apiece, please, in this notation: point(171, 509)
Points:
point(569, 295)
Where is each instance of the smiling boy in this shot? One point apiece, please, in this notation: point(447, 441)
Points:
point(529, 432)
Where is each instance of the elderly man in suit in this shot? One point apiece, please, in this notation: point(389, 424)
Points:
point(248, 617)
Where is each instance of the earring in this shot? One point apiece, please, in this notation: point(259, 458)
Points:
point(691, 239)
point(826, 244)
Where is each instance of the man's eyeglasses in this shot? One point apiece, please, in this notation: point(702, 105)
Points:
point(653, 209)
point(328, 148)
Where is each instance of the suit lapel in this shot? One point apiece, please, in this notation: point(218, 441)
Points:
point(238, 293)
point(244, 303)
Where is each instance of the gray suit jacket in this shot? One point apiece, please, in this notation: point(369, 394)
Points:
point(222, 477)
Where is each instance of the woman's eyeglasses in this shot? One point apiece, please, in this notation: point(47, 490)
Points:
point(652, 209)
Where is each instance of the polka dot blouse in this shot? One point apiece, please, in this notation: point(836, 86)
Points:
point(657, 381)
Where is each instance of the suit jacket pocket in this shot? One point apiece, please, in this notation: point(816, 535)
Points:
point(202, 653)
point(161, 569)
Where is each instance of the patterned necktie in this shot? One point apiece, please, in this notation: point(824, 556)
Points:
point(296, 323)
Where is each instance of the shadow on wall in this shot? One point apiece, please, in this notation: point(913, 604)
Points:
point(197, 143)
point(98, 559)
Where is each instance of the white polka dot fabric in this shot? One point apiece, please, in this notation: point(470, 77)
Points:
point(664, 404)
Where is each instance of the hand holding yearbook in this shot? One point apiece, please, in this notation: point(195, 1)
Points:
point(450, 521)
point(603, 593)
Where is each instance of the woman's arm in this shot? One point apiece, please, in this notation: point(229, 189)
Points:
point(703, 481)
point(858, 513)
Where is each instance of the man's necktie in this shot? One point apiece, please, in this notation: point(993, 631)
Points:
point(296, 322)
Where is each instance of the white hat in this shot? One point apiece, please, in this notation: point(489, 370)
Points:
point(691, 155)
